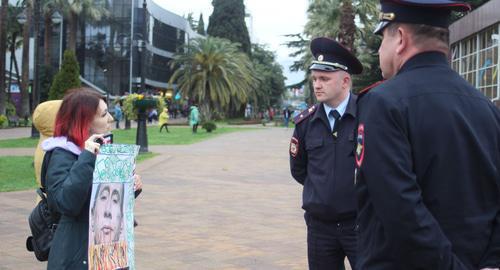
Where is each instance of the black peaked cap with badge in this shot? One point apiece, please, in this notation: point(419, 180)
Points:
point(428, 12)
point(331, 56)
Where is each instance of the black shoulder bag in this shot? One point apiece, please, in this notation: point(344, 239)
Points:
point(43, 220)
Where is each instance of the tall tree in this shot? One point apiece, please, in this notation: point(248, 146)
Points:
point(336, 19)
point(14, 41)
point(92, 10)
point(25, 98)
point(3, 48)
point(213, 72)
point(48, 9)
point(191, 21)
point(228, 21)
point(271, 85)
point(201, 26)
point(347, 30)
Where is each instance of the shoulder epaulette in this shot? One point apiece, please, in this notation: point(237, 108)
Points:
point(370, 87)
point(305, 114)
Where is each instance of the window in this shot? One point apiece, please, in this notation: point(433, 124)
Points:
point(477, 60)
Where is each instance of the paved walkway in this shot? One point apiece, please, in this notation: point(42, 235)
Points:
point(225, 203)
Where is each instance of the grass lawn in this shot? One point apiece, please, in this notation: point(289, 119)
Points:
point(17, 173)
point(177, 135)
point(19, 143)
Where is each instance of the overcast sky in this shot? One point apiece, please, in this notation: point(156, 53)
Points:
point(270, 21)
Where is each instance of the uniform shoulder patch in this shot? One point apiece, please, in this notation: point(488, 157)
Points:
point(368, 88)
point(305, 114)
point(294, 147)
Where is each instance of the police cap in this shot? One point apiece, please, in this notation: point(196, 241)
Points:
point(429, 12)
point(329, 55)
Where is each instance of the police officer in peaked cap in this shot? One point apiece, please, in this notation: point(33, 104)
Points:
point(322, 157)
point(428, 152)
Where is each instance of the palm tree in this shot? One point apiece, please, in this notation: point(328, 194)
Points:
point(25, 99)
point(350, 22)
point(214, 73)
point(48, 9)
point(3, 47)
point(325, 18)
point(14, 41)
point(92, 10)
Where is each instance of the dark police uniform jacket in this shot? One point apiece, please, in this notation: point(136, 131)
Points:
point(428, 179)
point(325, 164)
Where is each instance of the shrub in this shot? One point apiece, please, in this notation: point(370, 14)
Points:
point(3, 120)
point(209, 126)
point(67, 78)
point(10, 109)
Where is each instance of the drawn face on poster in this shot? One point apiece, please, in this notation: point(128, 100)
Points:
point(108, 243)
point(107, 213)
point(111, 216)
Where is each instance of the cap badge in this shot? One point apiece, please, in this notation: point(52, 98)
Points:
point(386, 16)
point(320, 57)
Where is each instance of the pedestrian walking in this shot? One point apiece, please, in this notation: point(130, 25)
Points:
point(194, 118)
point(322, 158)
point(428, 152)
point(118, 114)
point(163, 121)
point(286, 116)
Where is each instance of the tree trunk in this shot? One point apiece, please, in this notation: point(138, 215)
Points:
point(16, 69)
point(3, 48)
point(25, 98)
point(12, 50)
point(205, 113)
point(47, 38)
point(73, 27)
point(347, 26)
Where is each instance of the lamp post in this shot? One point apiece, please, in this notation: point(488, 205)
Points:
point(142, 134)
point(58, 19)
point(35, 93)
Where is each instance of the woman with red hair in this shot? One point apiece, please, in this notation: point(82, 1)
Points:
point(82, 119)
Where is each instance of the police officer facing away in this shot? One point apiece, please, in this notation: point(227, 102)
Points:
point(428, 153)
point(322, 157)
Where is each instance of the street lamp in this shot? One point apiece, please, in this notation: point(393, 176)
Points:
point(21, 17)
point(58, 19)
point(142, 131)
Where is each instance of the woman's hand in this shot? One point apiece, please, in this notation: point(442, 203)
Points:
point(137, 182)
point(91, 145)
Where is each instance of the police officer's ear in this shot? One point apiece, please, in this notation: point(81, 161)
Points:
point(346, 81)
point(404, 38)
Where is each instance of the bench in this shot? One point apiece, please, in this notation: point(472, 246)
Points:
point(15, 121)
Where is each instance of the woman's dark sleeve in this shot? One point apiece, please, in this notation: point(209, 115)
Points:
point(69, 180)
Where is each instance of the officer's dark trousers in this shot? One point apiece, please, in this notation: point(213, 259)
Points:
point(329, 242)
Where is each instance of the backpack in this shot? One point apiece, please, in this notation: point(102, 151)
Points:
point(43, 220)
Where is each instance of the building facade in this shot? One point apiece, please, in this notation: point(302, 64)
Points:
point(475, 45)
point(130, 50)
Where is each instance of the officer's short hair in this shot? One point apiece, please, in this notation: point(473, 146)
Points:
point(422, 34)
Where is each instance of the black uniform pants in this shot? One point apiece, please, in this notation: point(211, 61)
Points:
point(329, 242)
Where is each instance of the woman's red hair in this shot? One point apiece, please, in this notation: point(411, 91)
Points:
point(78, 109)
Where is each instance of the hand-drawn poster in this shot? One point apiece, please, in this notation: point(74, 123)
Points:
point(111, 216)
